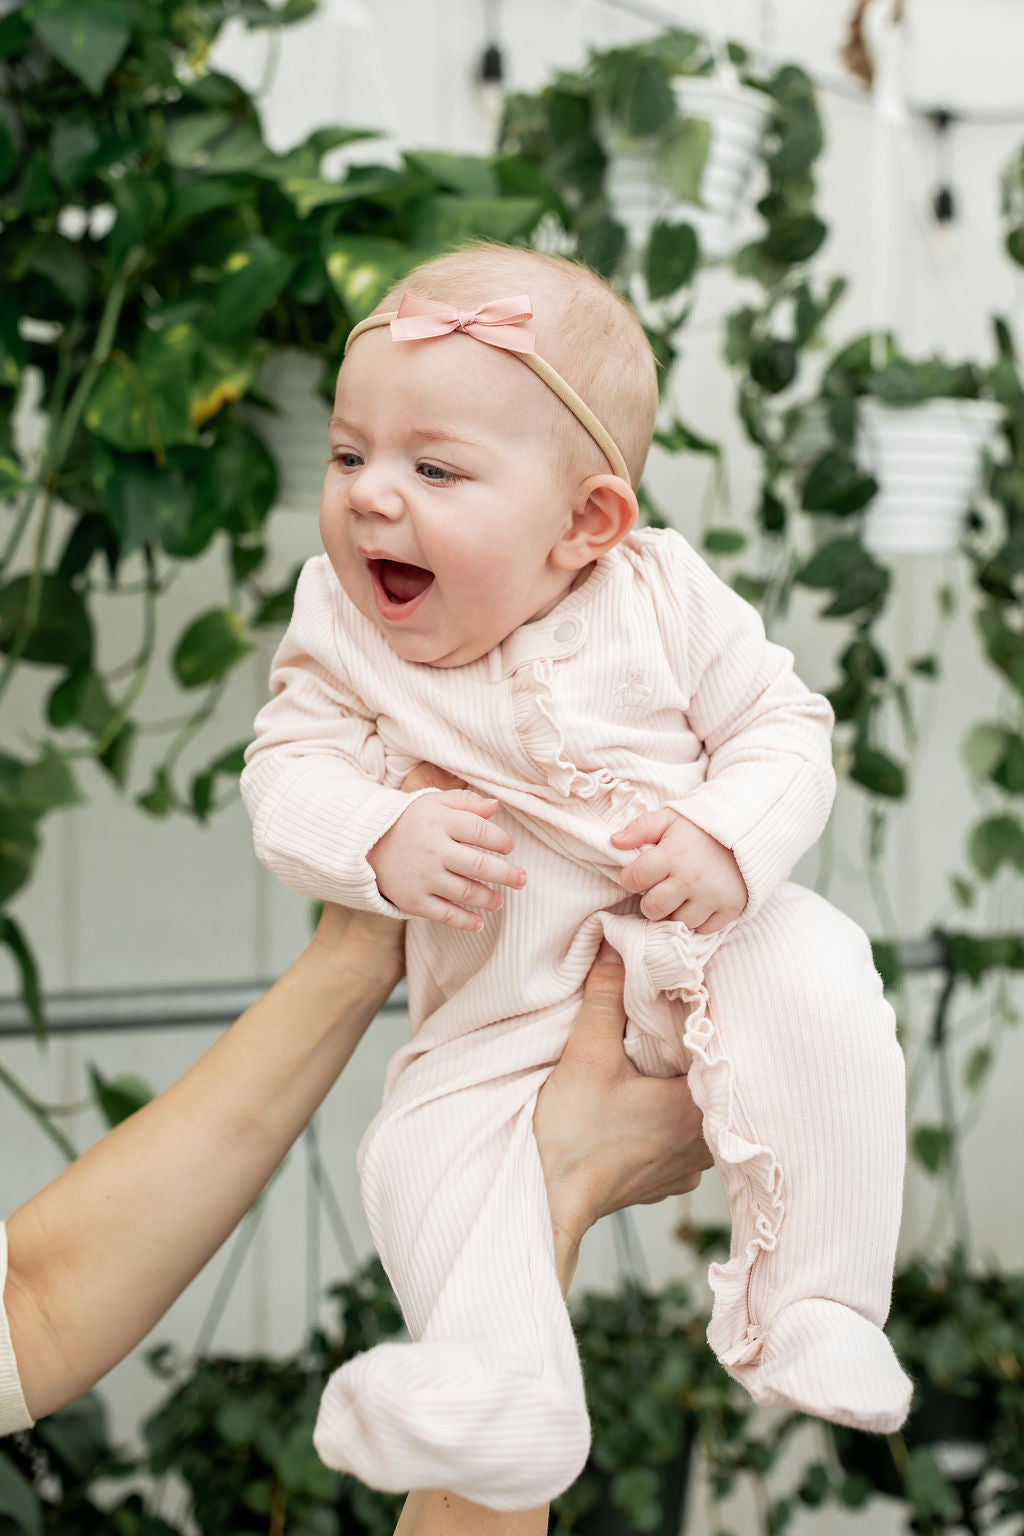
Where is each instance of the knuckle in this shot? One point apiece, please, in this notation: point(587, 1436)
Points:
point(633, 877)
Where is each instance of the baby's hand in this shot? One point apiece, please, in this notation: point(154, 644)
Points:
point(687, 875)
point(435, 859)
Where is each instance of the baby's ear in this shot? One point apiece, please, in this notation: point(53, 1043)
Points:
point(604, 511)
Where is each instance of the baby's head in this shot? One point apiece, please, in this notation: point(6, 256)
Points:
point(464, 497)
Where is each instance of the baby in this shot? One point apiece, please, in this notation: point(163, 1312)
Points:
point(487, 604)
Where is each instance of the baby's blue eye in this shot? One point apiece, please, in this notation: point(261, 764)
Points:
point(435, 472)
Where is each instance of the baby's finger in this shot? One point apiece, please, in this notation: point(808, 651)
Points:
point(474, 832)
point(647, 828)
point(644, 872)
point(469, 800)
point(663, 899)
point(692, 913)
point(469, 893)
point(429, 776)
point(438, 910)
point(474, 864)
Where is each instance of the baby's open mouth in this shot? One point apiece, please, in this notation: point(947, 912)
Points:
point(399, 582)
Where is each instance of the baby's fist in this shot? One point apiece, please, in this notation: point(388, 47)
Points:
point(443, 856)
point(684, 873)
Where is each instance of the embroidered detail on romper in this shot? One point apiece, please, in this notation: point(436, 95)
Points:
point(634, 692)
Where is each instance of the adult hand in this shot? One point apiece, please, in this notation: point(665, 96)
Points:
point(362, 945)
point(608, 1136)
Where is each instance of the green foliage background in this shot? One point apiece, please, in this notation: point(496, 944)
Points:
point(154, 253)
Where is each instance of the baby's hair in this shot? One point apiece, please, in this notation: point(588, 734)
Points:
point(584, 329)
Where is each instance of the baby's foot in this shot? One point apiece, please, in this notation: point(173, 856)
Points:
point(826, 1359)
point(432, 1415)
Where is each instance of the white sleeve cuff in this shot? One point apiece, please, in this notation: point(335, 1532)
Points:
point(14, 1414)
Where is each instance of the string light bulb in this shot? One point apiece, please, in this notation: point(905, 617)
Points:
point(943, 198)
point(491, 68)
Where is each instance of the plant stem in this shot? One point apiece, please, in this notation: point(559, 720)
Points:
point(35, 591)
point(940, 1045)
point(60, 437)
point(37, 487)
point(20, 524)
point(194, 725)
point(140, 665)
point(39, 1114)
point(100, 352)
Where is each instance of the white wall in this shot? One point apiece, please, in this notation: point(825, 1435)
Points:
point(120, 900)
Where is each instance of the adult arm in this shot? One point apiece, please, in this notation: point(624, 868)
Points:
point(97, 1257)
point(608, 1138)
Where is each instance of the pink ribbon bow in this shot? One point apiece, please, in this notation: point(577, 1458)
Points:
point(498, 322)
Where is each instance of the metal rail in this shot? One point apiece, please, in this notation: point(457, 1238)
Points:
point(93, 1012)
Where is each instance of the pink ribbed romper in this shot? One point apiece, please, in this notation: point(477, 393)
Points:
point(652, 683)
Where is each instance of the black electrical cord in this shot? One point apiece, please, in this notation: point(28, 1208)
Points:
point(491, 70)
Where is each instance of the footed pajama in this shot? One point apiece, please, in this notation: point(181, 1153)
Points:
point(651, 684)
point(771, 1014)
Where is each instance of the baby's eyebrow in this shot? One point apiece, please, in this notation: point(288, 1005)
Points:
point(422, 433)
point(442, 435)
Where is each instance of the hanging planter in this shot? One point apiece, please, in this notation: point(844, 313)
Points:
point(736, 117)
point(927, 460)
point(698, 171)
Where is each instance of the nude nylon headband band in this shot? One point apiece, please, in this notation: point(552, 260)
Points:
point(494, 318)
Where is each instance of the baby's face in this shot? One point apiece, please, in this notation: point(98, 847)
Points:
point(443, 499)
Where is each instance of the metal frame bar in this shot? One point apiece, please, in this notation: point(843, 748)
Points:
point(94, 1012)
point(115, 1009)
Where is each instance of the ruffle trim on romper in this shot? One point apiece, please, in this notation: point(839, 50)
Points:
point(675, 960)
point(543, 740)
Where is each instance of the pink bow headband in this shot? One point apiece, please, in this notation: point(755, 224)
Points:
point(499, 323)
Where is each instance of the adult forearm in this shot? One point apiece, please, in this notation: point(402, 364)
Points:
point(445, 1514)
point(99, 1255)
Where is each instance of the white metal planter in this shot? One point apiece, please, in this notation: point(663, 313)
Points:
point(640, 196)
point(927, 461)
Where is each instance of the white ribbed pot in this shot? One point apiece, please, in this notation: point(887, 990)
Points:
point(927, 461)
point(737, 117)
point(296, 433)
point(640, 196)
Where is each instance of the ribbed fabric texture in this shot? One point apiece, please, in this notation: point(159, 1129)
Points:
point(14, 1414)
point(653, 683)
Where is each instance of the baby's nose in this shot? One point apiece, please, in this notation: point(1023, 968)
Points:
point(372, 492)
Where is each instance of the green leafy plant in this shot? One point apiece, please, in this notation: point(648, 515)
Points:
point(238, 1432)
point(156, 253)
point(958, 1462)
point(49, 1478)
point(559, 131)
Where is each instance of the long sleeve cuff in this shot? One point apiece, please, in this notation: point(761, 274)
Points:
point(14, 1414)
point(314, 827)
point(766, 836)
